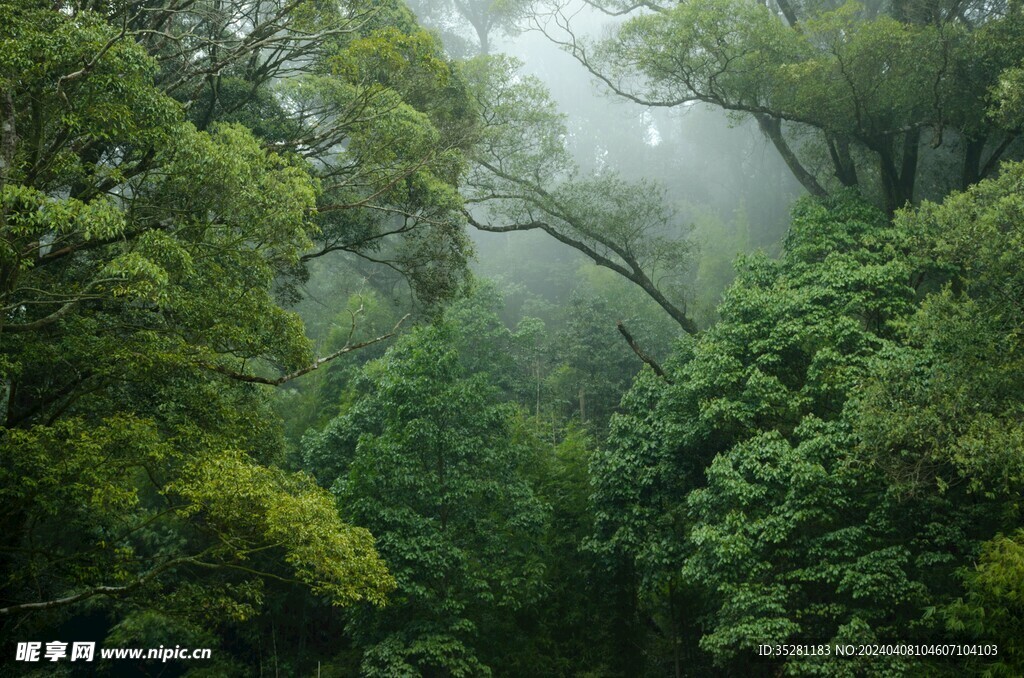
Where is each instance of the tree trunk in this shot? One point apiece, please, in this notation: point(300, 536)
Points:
point(908, 170)
point(846, 171)
point(772, 128)
point(971, 171)
point(898, 183)
point(483, 35)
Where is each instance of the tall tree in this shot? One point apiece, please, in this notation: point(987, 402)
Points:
point(887, 97)
point(426, 459)
point(834, 453)
point(789, 346)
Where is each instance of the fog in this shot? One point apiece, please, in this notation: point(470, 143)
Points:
point(728, 187)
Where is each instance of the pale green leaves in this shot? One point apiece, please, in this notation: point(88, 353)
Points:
point(255, 507)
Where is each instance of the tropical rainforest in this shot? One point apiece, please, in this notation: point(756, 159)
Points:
point(516, 338)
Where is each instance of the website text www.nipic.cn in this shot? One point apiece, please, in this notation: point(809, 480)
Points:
point(56, 651)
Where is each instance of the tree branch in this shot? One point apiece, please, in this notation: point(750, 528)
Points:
point(772, 128)
point(42, 322)
point(96, 591)
point(997, 153)
point(634, 273)
point(315, 365)
point(640, 354)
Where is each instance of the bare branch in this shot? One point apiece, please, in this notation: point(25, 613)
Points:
point(628, 9)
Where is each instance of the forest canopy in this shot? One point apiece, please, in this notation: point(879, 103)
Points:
point(338, 340)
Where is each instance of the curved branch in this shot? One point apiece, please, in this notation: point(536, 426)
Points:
point(634, 273)
point(42, 322)
point(629, 9)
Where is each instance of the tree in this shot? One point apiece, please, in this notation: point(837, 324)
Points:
point(523, 178)
point(941, 417)
point(846, 439)
point(863, 86)
point(115, 303)
point(159, 193)
point(426, 459)
point(483, 17)
point(357, 89)
point(672, 492)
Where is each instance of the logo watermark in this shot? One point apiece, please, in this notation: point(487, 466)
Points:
point(56, 650)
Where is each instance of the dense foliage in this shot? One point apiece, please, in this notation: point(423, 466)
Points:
point(889, 97)
point(254, 399)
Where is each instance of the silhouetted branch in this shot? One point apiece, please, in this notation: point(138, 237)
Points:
point(640, 354)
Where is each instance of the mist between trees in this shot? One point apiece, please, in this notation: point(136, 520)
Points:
point(492, 337)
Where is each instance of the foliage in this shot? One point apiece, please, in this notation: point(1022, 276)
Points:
point(424, 458)
point(523, 178)
point(864, 82)
point(792, 340)
point(198, 199)
point(837, 449)
point(161, 189)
